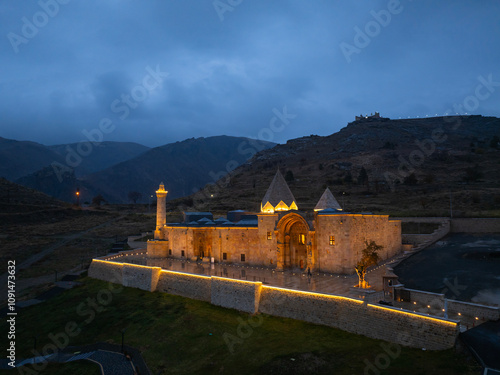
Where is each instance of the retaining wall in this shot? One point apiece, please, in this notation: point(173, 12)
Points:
point(460, 225)
point(454, 307)
point(475, 225)
point(236, 294)
point(185, 285)
point(142, 277)
point(352, 315)
point(106, 271)
point(390, 324)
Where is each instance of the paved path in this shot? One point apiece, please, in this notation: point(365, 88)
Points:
point(22, 284)
point(111, 363)
point(485, 343)
point(319, 282)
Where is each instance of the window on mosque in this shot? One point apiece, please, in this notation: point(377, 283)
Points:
point(332, 240)
point(269, 236)
point(302, 239)
point(242, 257)
point(224, 256)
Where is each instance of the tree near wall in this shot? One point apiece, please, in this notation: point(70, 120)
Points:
point(369, 257)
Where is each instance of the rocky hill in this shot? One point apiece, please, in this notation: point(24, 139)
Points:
point(102, 155)
point(20, 158)
point(184, 167)
point(409, 167)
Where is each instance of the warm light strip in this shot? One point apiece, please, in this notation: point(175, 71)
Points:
point(315, 294)
point(123, 264)
point(106, 261)
point(209, 227)
point(186, 274)
point(412, 314)
point(236, 280)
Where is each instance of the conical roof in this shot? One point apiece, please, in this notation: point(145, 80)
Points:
point(327, 200)
point(279, 192)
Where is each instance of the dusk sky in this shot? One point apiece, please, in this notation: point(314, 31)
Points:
point(164, 71)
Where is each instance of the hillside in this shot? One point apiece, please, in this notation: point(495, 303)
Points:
point(20, 158)
point(184, 167)
point(411, 167)
point(102, 156)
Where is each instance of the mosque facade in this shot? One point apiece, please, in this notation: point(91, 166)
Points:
point(279, 236)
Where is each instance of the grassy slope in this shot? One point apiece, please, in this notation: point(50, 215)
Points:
point(182, 336)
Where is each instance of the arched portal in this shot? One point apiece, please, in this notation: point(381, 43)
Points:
point(294, 242)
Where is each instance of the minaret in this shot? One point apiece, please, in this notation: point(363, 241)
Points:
point(161, 210)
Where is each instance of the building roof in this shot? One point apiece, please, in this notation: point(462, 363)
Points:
point(279, 192)
point(326, 201)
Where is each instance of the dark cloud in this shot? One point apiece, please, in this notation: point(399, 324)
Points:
point(227, 77)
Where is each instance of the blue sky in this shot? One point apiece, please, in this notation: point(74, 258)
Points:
point(228, 66)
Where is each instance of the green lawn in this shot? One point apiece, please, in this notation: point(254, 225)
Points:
point(181, 336)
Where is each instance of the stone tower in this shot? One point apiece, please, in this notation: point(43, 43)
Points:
point(161, 210)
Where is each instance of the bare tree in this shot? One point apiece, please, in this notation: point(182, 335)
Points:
point(134, 196)
point(369, 258)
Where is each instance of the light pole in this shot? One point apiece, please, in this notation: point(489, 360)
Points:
point(210, 202)
point(78, 196)
point(123, 335)
point(343, 201)
point(451, 206)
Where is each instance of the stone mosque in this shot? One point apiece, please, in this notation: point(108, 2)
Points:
point(280, 236)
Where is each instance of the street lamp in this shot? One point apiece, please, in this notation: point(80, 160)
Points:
point(123, 335)
point(77, 196)
point(210, 202)
point(149, 202)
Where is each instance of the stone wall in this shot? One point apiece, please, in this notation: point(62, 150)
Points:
point(482, 312)
point(475, 225)
point(236, 294)
point(352, 315)
point(417, 239)
point(350, 231)
point(461, 225)
point(142, 277)
point(106, 271)
point(158, 248)
point(390, 324)
point(185, 285)
point(455, 309)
